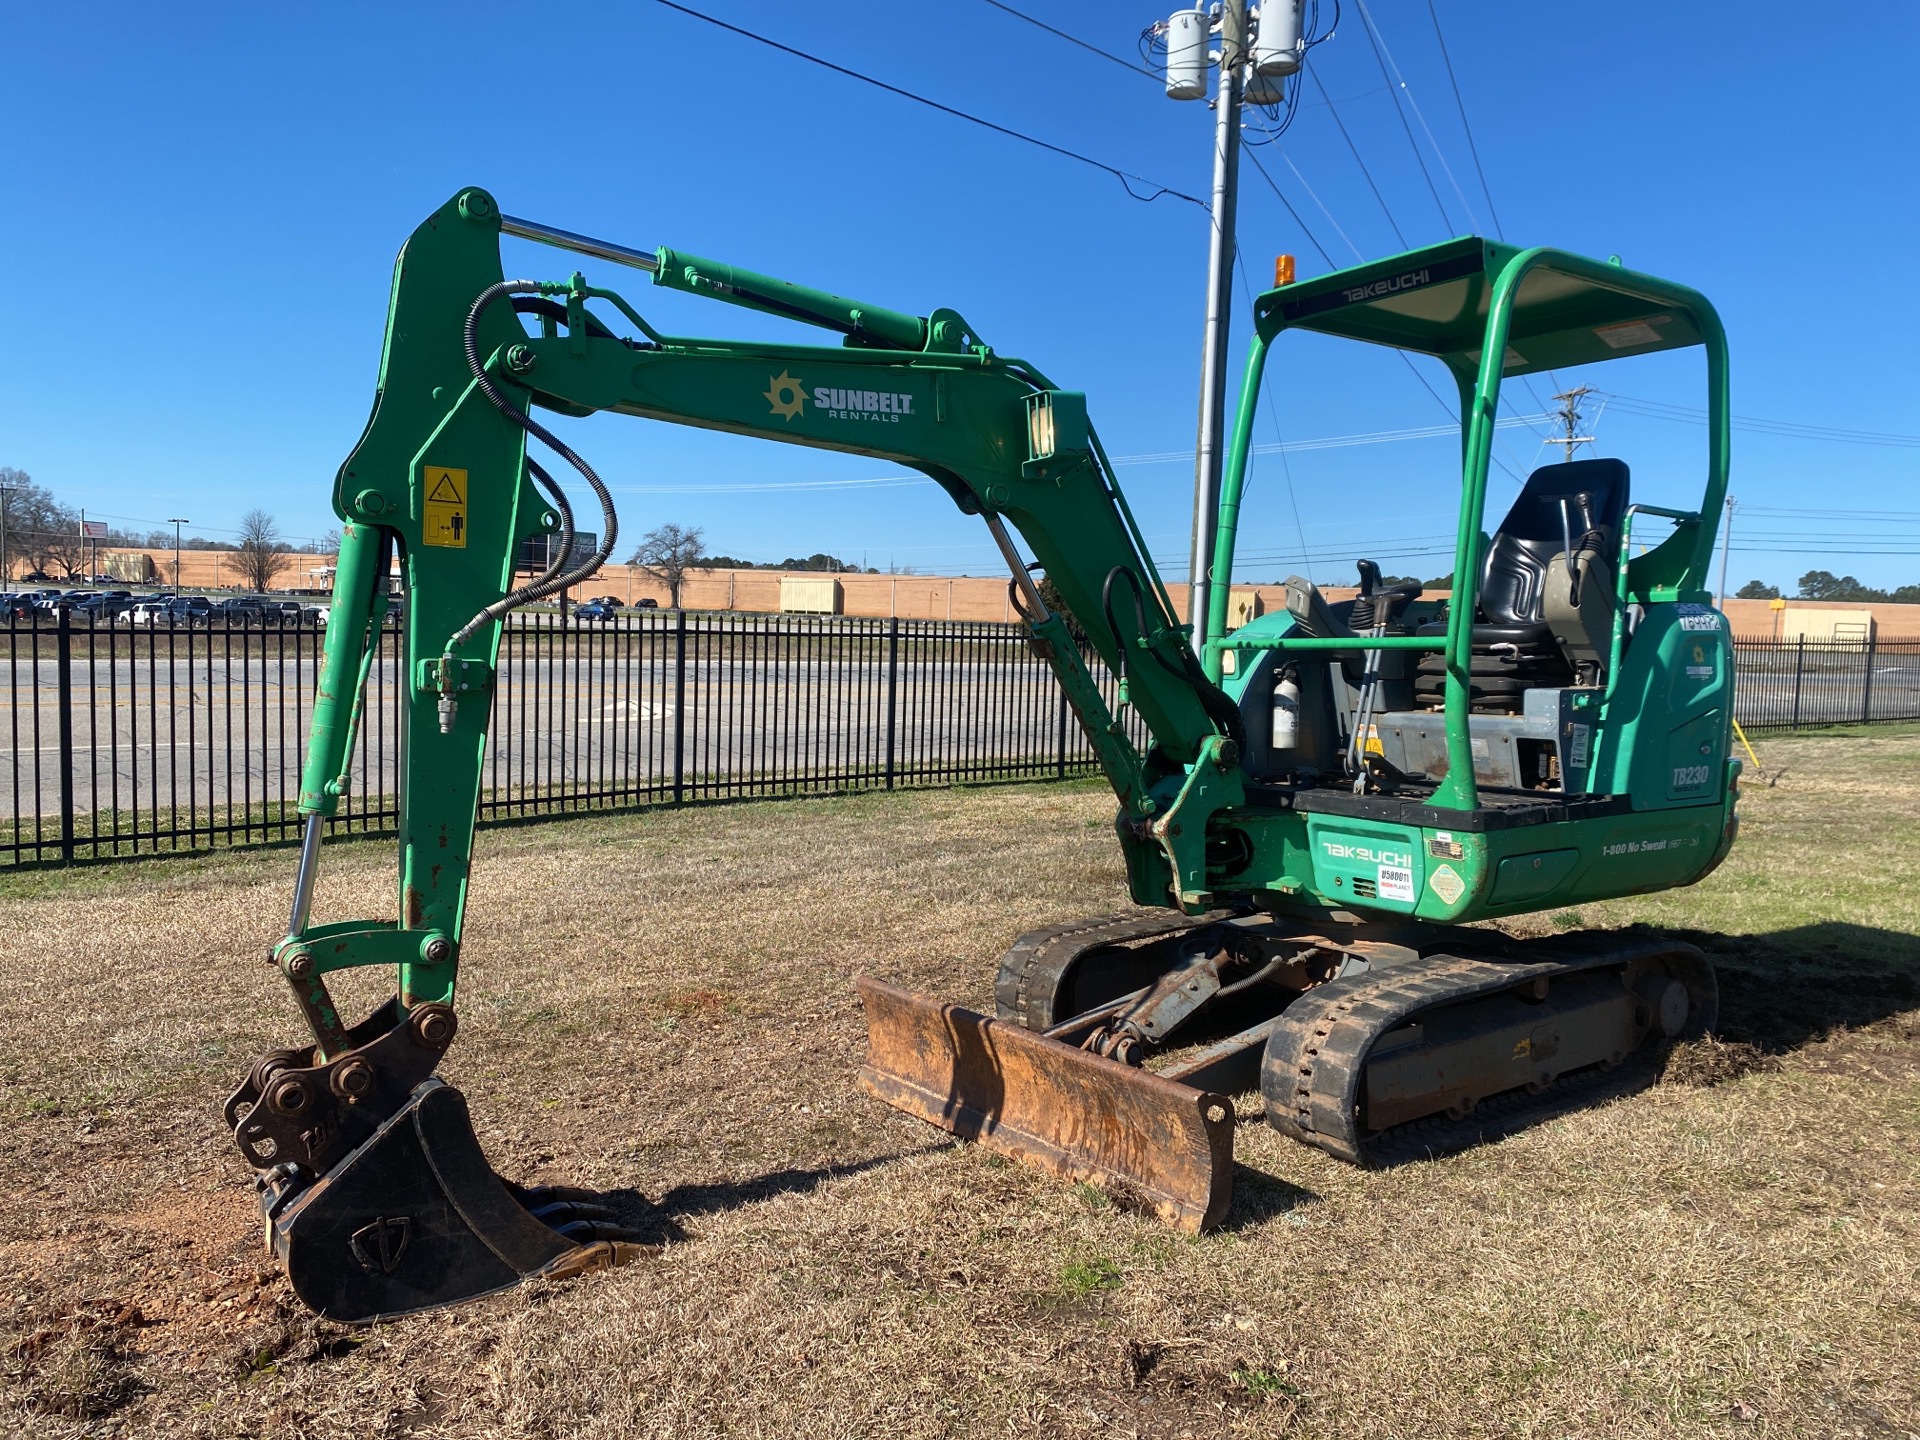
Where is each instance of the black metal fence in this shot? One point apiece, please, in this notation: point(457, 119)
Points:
point(119, 742)
point(1796, 683)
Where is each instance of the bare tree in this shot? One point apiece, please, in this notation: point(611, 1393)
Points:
point(263, 554)
point(670, 554)
point(41, 532)
point(328, 543)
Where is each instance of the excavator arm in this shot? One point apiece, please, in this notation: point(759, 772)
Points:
point(375, 1191)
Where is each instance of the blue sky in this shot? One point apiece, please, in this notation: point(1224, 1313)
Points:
point(204, 202)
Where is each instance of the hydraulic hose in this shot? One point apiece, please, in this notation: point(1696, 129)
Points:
point(1221, 710)
point(556, 576)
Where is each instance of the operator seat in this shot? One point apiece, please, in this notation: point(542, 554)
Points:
point(1562, 506)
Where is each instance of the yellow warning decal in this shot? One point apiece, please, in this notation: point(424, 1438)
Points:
point(444, 518)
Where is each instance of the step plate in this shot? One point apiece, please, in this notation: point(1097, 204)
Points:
point(1151, 1143)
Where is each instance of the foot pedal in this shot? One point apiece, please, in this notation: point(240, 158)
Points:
point(414, 1219)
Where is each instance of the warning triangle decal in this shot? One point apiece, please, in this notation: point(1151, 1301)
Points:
point(445, 491)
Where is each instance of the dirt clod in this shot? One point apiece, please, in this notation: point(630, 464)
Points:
point(1713, 1061)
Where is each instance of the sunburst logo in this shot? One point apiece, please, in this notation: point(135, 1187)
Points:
point(786, 395)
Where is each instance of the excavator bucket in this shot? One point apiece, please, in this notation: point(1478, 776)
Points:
point(1148, 1141)
point(415, 1219)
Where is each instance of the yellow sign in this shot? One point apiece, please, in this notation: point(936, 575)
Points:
point(444, 515)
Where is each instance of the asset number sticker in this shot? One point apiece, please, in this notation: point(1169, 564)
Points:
point(1447, 884)
point(1396, 883)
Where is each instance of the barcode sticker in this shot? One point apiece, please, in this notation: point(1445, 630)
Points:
point(1396, 883)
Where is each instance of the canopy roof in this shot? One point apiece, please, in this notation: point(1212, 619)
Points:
point(1435, 301)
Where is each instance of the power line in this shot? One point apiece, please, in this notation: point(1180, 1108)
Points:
point(1337, 442)
point(1355, 149)
point(1125, 177)
point(1420, 115)
point(1412, 144)
point(1357, 254)
point(1074, 40)
point(1459, 104)
point(1273, 418)
point(1831, 514)
point(1405, 358)
point(1691, 415)
point(1280, 195)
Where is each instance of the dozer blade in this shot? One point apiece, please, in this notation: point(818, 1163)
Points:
point(414, 1219)
point(1151, 1142)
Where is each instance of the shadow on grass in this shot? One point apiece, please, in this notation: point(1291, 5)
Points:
point(1787, 988)
point(1779, 991)
point(659, 1222)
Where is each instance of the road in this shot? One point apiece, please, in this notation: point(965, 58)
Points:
point(197, 726)
point(229, 730)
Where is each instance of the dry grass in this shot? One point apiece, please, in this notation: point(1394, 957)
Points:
point(660, 1006)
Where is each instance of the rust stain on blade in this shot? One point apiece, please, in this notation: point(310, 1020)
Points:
point(1165, 1145)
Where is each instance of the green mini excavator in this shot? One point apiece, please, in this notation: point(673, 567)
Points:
point(1312, 807)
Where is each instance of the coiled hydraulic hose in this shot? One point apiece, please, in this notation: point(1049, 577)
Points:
point(556, 576)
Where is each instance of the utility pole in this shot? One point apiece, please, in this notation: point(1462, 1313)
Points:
point(1243, 55)
point(177, 521)
point(1570, 418)
point(1726, 548)
point(1213, 361)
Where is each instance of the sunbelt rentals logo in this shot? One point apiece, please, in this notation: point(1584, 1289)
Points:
point(789, 397)
point(786, 395)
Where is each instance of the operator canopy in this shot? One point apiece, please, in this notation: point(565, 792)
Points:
point(1435, 301)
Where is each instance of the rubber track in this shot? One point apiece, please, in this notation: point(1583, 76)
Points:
point(1032, 969)
point(1315, 1063)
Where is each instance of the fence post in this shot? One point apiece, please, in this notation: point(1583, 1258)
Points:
point(1060, 715)
point(1866, 684)
point(63, 669)
point(1799, 670)
point(679, 706)
point(893, 690)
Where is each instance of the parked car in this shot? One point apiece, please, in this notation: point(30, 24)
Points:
point(646, 603)
point(314, 616)
point(144, 614)
point(188, 610)
point(239, 610)
point(596, 610)
point(36, 577)
point(102, 607)
point(17, 607)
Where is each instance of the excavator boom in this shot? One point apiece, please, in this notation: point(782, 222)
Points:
point(376, 1193)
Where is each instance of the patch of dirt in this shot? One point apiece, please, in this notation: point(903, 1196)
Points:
point(1713, 1061)
point(79, 1367)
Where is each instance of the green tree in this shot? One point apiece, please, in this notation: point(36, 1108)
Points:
point(1757, 590)
point(1825, 585)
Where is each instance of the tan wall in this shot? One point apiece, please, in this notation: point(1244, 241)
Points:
point(1756, 620)
point(914, 597)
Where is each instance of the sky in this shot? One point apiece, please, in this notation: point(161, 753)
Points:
point(204, 203)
